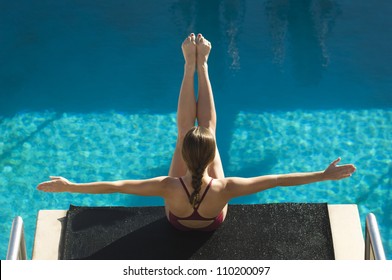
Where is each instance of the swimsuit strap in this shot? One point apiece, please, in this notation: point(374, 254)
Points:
point(202, 197)
point(204, 194)
point(183, 185)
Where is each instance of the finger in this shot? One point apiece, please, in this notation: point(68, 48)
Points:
point(55, 177)
point(336, 161)
point(43, 186)
point(348, 167)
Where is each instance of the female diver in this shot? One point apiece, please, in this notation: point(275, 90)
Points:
point(196, 192)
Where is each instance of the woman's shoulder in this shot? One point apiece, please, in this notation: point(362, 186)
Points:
point(219, 184)
point(170, 182)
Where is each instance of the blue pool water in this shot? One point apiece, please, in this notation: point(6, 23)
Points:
point(89, 91)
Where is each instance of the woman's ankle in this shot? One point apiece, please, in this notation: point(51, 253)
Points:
point(189, 67)
point(202, 66)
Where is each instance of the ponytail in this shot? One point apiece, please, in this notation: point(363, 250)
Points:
point(197, 176)
point(198, 151)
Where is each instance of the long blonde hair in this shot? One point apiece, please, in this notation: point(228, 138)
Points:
point(198, 151)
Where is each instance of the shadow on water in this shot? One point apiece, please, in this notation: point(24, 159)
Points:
point(263, 166)
point(152, 171)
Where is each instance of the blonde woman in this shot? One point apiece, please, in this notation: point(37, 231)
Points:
point(196, 192)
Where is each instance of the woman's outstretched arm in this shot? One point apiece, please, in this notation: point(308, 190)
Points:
point(149, 187)
point(243, 186)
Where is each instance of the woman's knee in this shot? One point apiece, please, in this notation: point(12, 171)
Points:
point(210, 126)
point(181, 134)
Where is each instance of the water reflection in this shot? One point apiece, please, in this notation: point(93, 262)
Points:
point(220, 21)
point(232, 17)
point(299, 30)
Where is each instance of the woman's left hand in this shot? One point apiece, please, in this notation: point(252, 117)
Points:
point(335, 172)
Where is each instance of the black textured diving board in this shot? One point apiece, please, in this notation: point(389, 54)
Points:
point(294, 231)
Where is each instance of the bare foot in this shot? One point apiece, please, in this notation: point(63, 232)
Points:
point(189, 50)
point(203, 49)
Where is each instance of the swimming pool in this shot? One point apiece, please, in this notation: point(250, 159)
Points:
point(89, 92)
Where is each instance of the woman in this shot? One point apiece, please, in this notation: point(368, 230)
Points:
point(196, 192)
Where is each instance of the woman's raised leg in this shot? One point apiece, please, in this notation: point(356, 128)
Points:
point(206, 113)
point(186, 111)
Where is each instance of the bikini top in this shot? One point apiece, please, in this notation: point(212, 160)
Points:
point(195, 214)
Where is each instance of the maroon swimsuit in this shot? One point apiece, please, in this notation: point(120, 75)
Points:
point(174, 220)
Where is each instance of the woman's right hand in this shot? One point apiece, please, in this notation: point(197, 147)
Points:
point(56, 184)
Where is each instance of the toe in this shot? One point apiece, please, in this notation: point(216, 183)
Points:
point(192, 37)
point(187, 40)
point(200, 38)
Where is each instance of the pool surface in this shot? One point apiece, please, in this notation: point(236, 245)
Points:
point(89, 91)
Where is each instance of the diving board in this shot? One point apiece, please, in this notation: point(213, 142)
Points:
point(344, 226)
